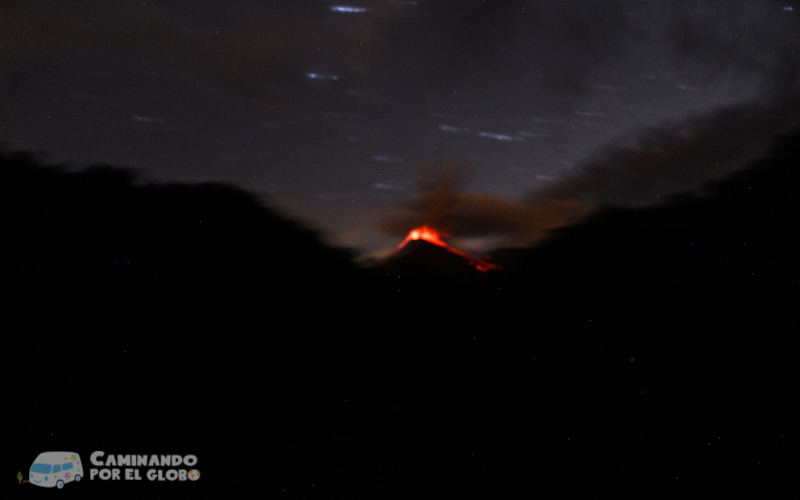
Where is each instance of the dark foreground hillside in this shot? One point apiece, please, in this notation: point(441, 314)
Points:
point(98, 240)
point(642, 354)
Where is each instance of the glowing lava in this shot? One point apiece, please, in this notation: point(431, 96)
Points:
point(423, 233)
point(427, 234)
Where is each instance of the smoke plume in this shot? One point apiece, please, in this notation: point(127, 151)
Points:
point(443, 206)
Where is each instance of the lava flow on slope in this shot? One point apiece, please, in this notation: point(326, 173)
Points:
point(431, 236)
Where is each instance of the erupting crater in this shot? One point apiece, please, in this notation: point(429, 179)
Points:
point(431, 236)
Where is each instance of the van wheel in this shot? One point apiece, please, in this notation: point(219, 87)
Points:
point(77, 478)
point(60, 484)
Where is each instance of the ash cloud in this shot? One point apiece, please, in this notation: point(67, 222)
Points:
point(444, 206)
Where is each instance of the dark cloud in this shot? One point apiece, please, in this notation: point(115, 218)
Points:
point(720, 39)
point(258, 52)
point(444, 41)
point(262, 52)
point(568, 44)
point(458, 40)
point(571, 41)
point(679, 156)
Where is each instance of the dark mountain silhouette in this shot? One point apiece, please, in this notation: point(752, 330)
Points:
point(693, 302)
point(134, 286)
point(94, 239)
point(174, 276)
point(731, 243)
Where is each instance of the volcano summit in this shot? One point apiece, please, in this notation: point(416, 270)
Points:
point(424, 252)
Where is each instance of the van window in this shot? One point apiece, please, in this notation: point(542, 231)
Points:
point(56, 468)
point(41, 468)
point(68, 466)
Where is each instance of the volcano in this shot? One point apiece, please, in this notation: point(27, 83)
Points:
point(424, 251)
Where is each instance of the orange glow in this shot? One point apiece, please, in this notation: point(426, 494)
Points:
point(431, 236)
point(423, 233)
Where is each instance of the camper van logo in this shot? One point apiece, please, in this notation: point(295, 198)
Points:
point(55, 469)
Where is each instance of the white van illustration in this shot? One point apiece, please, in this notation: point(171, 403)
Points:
point(56, 468)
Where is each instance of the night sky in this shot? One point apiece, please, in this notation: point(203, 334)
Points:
point(341, 114)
